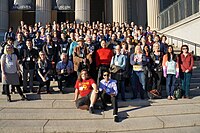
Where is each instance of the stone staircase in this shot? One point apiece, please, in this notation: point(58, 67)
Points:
point(51, 113)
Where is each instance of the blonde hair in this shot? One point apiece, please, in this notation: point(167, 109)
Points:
point(6, 51)
point(136, 47)
point(154, 46)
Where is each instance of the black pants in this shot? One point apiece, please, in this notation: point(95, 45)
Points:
point(62, 78)
point(157, 78)
point(47, 83)
point(19, 90)
point(83, 101)
point(105, 98)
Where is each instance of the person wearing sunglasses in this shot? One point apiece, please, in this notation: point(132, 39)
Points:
point(87, 89)
point(186, 64)
point(108, 92)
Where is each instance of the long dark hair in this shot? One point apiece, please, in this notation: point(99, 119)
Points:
point(174, 57)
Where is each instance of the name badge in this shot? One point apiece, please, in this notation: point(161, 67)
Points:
point(116, 63)
point(19, 47)
point(80, 88)
point(10, 63)
point(28, 59)
point(157, 61)
point(64, 49)
point(49, 46)
point(147, 60)
point(56, 45)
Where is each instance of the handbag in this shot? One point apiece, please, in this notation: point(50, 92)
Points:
point(177, 91)
point(114, 69)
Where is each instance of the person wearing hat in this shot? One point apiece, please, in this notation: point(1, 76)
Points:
point(81, 53)
point(10, 71)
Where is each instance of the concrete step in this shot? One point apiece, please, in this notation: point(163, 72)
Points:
point(194, 129)
point(76, 114)
point(101, 125)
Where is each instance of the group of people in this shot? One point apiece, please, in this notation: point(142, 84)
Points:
point(105, 58)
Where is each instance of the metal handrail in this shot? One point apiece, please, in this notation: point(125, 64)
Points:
point(183, 41)
point(178, 11)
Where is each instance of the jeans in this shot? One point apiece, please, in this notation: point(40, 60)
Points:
point(135, 77)
point(25, 76)
point(170, 84)
point(185, 81)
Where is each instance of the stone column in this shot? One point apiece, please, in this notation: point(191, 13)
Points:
point(82, 10)
point(153, 10)
point(43, 11)
point(3, 15)
point(120, 11)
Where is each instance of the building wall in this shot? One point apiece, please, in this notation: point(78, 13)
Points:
point(187, 29)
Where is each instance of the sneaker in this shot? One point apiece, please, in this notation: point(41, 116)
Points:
point(116, 118)
point(91, 110)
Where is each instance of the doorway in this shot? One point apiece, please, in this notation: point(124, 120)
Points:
point(62, 16)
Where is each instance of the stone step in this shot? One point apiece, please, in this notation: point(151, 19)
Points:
point(193, 129)
point(69, 104)
point(179, 123)
point(100, 125)
point(76, 114)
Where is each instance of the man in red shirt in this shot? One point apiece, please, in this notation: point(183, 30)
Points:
point(103, 59)
point(87, 89)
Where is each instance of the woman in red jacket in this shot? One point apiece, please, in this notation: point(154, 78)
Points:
point(186, 64)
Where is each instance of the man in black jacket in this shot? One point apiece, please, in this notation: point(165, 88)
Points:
point(29, 57)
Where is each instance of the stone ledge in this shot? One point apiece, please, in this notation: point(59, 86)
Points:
point(106, 125)
point(22, 126)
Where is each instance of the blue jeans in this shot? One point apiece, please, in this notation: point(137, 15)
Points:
point(170, 84)
point(185, 81)
point(135, 77)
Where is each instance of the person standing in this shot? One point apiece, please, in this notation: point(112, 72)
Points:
point(119, 60)
point(170, 71)
point(29, 58)
point(186, 64)
point(10, 72)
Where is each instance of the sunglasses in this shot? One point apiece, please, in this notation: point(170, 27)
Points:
point(106, 75)
point(184, 48)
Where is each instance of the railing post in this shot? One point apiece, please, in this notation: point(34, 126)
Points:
point(195, 49)
point(199, 5)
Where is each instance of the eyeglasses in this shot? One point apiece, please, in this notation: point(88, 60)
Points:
point(184, 48)
point(106, 75)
